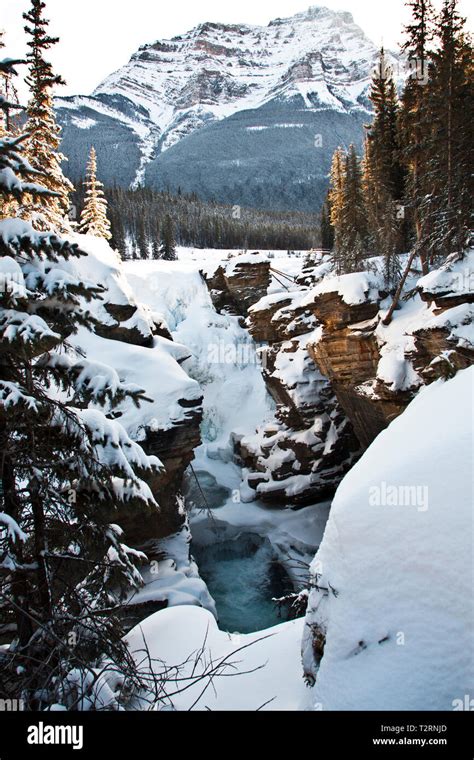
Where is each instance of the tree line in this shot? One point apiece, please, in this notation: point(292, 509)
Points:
point(144, 220)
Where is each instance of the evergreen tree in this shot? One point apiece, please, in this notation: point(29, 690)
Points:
point(447, 201)
point(414, 120)
point(119, 240)
point(351, 229)
point(8, 103)
point(94, 219)
point(168, 245)
point(156, 248)
point(327, 230)
point(383, 175)
point(64, 469)
point(143, 244)
point(336, 190)
point(8, 97)
point(43, 143)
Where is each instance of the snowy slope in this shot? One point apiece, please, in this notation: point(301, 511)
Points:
point(215, 70)
point(399, 613)
point(156, 370)
point(394, 571)
point(259, 671)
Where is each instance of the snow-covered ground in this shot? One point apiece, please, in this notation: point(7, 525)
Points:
point(395, 569)
point(394, 588)
point(259, 671)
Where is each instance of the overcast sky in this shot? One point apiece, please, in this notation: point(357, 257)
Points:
point(98, 36)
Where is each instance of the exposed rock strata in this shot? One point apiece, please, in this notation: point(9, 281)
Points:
point(236, 287)
point(301, 457)
point(336, 373)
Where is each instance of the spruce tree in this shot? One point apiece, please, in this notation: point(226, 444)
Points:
point(9, 101)
point(447, 201)
point(414, 120)
point(336, 188)
point(156, 250)
point(383, 175)
point(119, 241)
point(64, 470)
point(168, 244)
point(327, 230)
point(143, 243)
point(351, 229)
point(42, 147)
point(94, 219)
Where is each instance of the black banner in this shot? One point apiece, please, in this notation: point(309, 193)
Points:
point(127, 735)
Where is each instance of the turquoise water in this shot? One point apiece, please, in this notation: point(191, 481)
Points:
point(242, 576)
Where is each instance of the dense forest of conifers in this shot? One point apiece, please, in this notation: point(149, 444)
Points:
point(138, 217)
point(412, 189)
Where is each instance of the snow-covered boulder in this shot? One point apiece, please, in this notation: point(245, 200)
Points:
point(392, 602)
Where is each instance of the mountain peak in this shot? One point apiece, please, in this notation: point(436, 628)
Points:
point(274, 86)
point(315, 13)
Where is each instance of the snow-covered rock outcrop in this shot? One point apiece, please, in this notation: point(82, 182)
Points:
point(374, 369)
point(337, 373)
point(132, 339)
point(389, 623)
point(302, 456)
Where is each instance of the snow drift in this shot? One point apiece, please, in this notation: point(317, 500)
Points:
point(393, 581)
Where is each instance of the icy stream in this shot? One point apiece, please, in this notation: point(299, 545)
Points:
point(242, 550)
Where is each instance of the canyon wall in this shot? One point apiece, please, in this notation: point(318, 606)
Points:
point(337, 374)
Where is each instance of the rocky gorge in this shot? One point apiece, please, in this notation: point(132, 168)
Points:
point(337, 375)
point(330, 375)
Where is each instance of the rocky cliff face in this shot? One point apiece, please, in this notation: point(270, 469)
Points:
point(374, 370)
point(235, 287)
point(348, 355)
point(338, 376)
point(260, 110)
point(302, 455)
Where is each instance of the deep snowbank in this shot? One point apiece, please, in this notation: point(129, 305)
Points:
point(394, 573)
point(262, 670)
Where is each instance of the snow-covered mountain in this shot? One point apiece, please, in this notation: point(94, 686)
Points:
point(243, 114)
